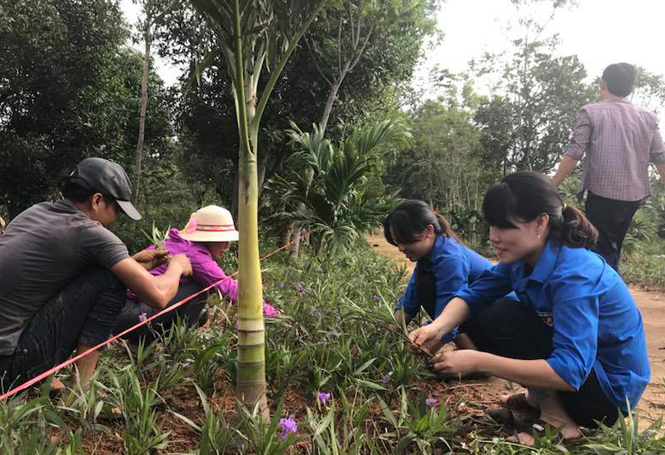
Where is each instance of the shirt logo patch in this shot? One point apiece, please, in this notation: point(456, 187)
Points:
point(547, 318)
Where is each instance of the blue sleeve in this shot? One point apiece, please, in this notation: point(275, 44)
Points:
point(409, 302)
point(491, 285)
point(575, 309)
point(452, 275)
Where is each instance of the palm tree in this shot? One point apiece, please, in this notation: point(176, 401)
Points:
point(251, 36)
point(337, 204)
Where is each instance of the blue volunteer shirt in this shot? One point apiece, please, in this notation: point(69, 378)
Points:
point(595, 319)
point(454, 267)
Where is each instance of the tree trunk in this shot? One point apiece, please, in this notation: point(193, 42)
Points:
point(251, 378)
point(332, 96)
point(251, 383)
point(294, 249)
point(143, 107)
point(286, 234)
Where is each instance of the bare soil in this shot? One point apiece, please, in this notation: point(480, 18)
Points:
point(652, 306)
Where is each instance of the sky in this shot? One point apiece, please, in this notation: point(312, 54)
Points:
point(600, 32)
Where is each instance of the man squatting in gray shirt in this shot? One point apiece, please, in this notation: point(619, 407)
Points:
point(63, 275)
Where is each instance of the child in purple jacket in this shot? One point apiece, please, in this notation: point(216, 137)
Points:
point(204, 240)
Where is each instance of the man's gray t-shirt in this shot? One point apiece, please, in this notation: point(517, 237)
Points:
point(41, 251)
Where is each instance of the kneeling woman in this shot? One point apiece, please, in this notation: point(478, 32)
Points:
point(575, 338)
point(204, 240)
point(444, 266)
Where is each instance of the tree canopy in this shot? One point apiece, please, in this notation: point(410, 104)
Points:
point(68, 89)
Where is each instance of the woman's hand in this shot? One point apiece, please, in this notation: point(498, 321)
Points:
point(427, 337)
point(150, 259)
point(456, 363)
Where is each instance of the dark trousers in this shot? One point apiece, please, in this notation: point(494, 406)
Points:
point(612, 219)
point(192, 313)
point(83, 312)
point(511, 329)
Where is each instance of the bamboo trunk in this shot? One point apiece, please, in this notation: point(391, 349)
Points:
point(251, 382)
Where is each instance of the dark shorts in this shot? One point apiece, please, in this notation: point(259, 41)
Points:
point(83, 313)
point(511, 329)
point(192, 313)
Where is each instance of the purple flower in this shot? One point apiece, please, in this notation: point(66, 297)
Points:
point(281, 285)
point(299, 289)
point(431, 402)
point(375, 298)
point(323, 397)
point(289, 426)
point(384, 379)
point(143, 317)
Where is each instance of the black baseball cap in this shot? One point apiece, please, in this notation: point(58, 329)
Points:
point(107, 178)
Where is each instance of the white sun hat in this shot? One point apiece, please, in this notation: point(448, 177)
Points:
point(210, 224)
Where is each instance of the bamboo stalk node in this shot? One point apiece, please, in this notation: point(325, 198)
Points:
point(251, 325)
point(246, 346)
point(251, 364)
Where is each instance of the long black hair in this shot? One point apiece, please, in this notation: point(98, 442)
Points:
point(525, 195)
point(410, 218)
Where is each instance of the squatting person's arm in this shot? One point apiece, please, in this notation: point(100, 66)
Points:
point(156, 291)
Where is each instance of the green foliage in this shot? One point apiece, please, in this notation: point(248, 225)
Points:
point(216, 437)
point(142, 434)
point(334, 199)
point(70, 90)
point(441, 166)
point(332, 336)
point(528, 123)
point(205, 117)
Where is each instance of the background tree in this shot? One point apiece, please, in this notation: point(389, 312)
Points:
point(70, 90)
point(153, 12)
point(527, 124)
point(373, 89)
point(442, 165)
point(535, 95)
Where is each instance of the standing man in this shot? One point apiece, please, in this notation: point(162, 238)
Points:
point(63, 274)
point(620, 140)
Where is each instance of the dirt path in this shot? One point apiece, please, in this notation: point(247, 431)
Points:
point(652, 306)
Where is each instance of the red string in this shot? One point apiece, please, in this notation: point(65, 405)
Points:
point(57, 368)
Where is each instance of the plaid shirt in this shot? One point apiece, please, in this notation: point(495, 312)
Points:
point(620, 140)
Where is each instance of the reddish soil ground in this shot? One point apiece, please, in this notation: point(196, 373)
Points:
point(652, 306)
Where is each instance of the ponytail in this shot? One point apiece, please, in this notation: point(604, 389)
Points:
point(444, 227)
point(573, 229)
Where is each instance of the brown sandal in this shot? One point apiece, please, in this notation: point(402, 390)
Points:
point(518, 402)
point(502, 416)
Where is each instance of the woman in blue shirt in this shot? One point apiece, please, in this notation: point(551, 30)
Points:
point(575, 338)
point(444, 266)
